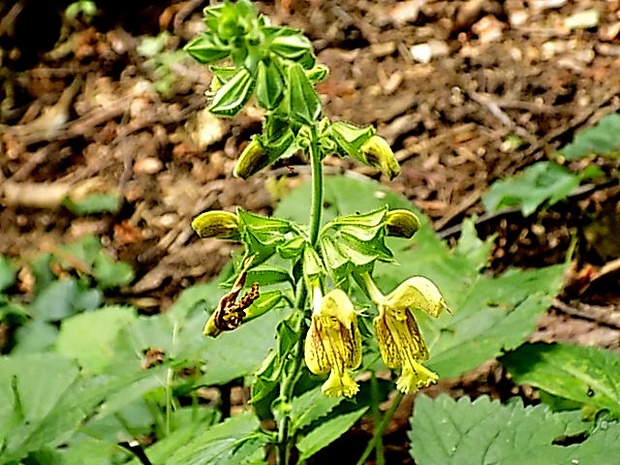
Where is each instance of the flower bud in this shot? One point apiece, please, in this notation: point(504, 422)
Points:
point(253, 159)
point(377, 153)
point(401, 223)
point(218, 224)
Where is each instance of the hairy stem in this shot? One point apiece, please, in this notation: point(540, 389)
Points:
point(287, 388)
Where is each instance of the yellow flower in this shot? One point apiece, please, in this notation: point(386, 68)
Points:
point(333, 342)
point(400, 340)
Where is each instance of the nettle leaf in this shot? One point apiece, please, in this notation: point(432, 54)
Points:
point(89, 337)
point(311, 406)
point(327, 432)
point(600, 139)
point(485, 432)
point(588, 375)
point(543, 182)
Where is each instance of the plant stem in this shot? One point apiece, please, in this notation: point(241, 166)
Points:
point(317, 189)
point(376, 418)
point(287, 388)
point(380, 429)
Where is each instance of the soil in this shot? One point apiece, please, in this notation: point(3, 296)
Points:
point(80, 114)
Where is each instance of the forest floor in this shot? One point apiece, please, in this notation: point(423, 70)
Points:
point(80, 114)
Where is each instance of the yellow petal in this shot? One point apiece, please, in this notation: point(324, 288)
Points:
point(315, 350)
point(417, 292)
point(217, 223)
point(399, 337)
point(339, 384)
point(377, 153)
point(414, 377)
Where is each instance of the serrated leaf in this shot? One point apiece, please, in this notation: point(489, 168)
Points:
point(89, 337)
point(600, 139)
point(543, 182)
point(327, 432)
point(587, 375)
point(485, 432)
point(311, 406)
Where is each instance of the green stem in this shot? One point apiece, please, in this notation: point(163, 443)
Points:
point(317, 189)
point(376, 418)
point(380, 429)
point(287, 388)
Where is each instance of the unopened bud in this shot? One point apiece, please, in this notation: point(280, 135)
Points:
point(217, 223)
point(253, 159)
point(401, 223)
point(377, 153)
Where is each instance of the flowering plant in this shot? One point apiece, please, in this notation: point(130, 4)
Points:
point(276, 66)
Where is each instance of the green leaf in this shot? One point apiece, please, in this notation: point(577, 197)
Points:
point(263, 275)
point(35, 336)
point(311, 406)
point(542, 182)
point(232, 96)
point(7, 273)
point(492, 315)
point(93, 203)
point(600, 139)
point(327, 432)
point(64, 298)
point(204, 50)
point(43, 398)
point(350, 138)
point(287, 42)
point(89, 337)
point(269, 85)
point(110, 273)
point(232, 442)
point(587, 375)
point(304, 104)
point(485, 432)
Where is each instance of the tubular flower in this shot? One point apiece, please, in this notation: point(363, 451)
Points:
point(333, 343)
point(400, 340)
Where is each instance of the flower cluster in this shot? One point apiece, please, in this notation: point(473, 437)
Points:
point(333, 342)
